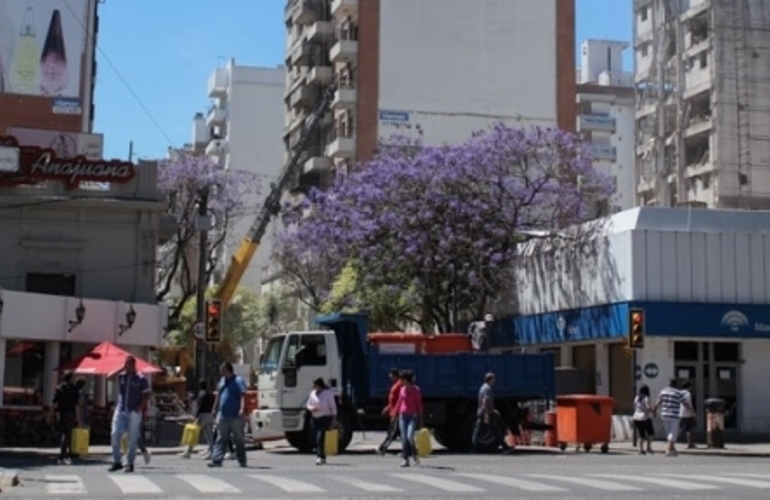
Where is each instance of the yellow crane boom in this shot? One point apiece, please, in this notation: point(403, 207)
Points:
point(272, 205)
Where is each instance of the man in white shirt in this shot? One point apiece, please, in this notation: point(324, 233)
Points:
point(687, 414)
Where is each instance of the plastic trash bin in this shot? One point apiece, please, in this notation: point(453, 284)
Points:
point(715, 422)
point(584, 419)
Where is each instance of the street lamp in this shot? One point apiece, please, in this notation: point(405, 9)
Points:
point(80, 313)
point(130, 319)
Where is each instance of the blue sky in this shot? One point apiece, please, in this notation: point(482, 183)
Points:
point(155, 58)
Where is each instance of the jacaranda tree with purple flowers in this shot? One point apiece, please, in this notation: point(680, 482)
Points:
point(445, 222)
point(181, 179)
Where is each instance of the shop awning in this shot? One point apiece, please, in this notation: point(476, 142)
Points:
point(105, 359)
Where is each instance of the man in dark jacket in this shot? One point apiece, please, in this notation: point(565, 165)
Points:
point(66, 403)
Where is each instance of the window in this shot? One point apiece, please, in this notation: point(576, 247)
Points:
point(51, 284)
point(645, 50)
point(291, 352)
point(272, 354)
point(313, 350)
point(24, 372)
point(703, 59)
point(643, 14)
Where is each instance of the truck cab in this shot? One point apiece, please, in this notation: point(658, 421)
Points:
point(290, 364)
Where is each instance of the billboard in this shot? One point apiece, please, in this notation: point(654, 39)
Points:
point(41, 47)
point(64, 144)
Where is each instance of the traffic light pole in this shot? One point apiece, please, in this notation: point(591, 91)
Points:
point(635, 389)
point(203, 244)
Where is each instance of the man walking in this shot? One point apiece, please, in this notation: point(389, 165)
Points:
point(133, 395)
point(487, 417)
point(391, 410)
point(66, 402)
point(669, 402)
point(231, 410)
point(687, 416)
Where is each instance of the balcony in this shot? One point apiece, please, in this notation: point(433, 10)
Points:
point(605, 123)
point(216, 147)
point(698, 126)
point(320, 76)
point(345, 98)
point(299, 54)
point(320, 31)
point(344, 51)
point(342, 145)
point(216, 116)
point(303, 97)
point(317, 164)
point(295, 122)
point(604, 152)
point(342, 9)
point(218, 83)
point(301, 12)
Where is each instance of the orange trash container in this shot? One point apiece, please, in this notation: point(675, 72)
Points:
point(584, 419)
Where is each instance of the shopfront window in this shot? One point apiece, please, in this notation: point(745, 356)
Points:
point(24, 372)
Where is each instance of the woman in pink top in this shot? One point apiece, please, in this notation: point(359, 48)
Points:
point(409, 417)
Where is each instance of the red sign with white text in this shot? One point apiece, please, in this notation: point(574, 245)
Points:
point(41, 164)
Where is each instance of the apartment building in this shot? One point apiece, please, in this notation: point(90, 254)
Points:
point(703, 92)
point(242, 130)
point(606, 116)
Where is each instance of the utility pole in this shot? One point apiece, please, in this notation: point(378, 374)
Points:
point(203, 243)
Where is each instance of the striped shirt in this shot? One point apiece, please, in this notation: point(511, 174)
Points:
point(670, 400)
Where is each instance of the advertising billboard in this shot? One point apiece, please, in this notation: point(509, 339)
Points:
point(64, 144)
point(41, 47)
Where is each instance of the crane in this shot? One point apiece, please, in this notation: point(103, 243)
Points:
point(272, 204)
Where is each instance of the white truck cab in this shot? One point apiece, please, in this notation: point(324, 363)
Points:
point(290, 364)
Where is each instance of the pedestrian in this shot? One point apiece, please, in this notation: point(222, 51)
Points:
point(230, 403)
point(391, 410)
point(323, 409)
point(66, 403)
point(410, 417)
point(487, 417)
point(643, 413)
point(133, 394)
point(669, 402)
point(204, 417)
point(687, 415)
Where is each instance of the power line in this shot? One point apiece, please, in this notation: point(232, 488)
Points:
point(120, 76)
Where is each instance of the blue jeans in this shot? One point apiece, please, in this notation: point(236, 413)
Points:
point(408, 426)
point(320, 426)
point(123, 423)
point(226, 426)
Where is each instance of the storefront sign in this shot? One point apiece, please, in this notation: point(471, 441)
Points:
point(651, 370)
point(39, 164)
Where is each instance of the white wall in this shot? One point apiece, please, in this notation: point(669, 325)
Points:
point(456, 65)
point(255, 129)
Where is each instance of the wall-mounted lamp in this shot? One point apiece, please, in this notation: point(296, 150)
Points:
point(80, 313)
point(130, 319)
point(2, 302)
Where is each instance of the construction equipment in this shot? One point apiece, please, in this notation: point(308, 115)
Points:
point(272, 205)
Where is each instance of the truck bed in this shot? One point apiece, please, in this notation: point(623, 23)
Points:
point(524, 376)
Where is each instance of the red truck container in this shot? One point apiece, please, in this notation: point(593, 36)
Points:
point(417, 343)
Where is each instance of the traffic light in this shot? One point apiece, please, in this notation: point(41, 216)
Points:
point(636, 323)
point(213, 321)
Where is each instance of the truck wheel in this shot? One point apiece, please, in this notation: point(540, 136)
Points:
point(345, 429)
point(442, 435)
point(489, 441)
point(302, 441)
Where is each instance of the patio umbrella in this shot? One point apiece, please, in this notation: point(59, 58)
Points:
point(105, 359)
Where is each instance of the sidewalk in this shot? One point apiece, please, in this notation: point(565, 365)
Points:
point(758, 450)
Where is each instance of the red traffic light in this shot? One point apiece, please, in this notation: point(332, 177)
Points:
point(213, 309)
point(637, 317)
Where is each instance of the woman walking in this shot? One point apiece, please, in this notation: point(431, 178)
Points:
point(409, 417)
point(323, 409)
point(643, 413)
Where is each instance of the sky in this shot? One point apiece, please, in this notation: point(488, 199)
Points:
point(154, 59)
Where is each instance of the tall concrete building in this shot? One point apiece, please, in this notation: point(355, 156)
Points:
point(703, 81)
point(242, 130)
point(606, 117)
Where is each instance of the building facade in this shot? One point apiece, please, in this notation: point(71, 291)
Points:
point(702, 281)
point(48, 64)
point(605, 116)
point(75, 263)
point(242, 130)
point(702, 73)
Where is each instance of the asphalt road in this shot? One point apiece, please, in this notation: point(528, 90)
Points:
point(364, 475)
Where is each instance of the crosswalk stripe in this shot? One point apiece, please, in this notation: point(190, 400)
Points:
point(522, 484)
point(288, 485)
point(135, 485)
point(207, 484)
point(670, 483)
point(64, 485)
point(749, 483)
point(442, 484)
point(367, 486)
point(590, 482)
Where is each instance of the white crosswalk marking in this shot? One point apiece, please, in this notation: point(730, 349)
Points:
point(521, 484)
point(289, 485)
point(136, 485)
point(64, 485)
point(442, 484)
point(599, 484)
point(749, 483)
point(670, 483)
point(367, 486)
point(207, 484)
